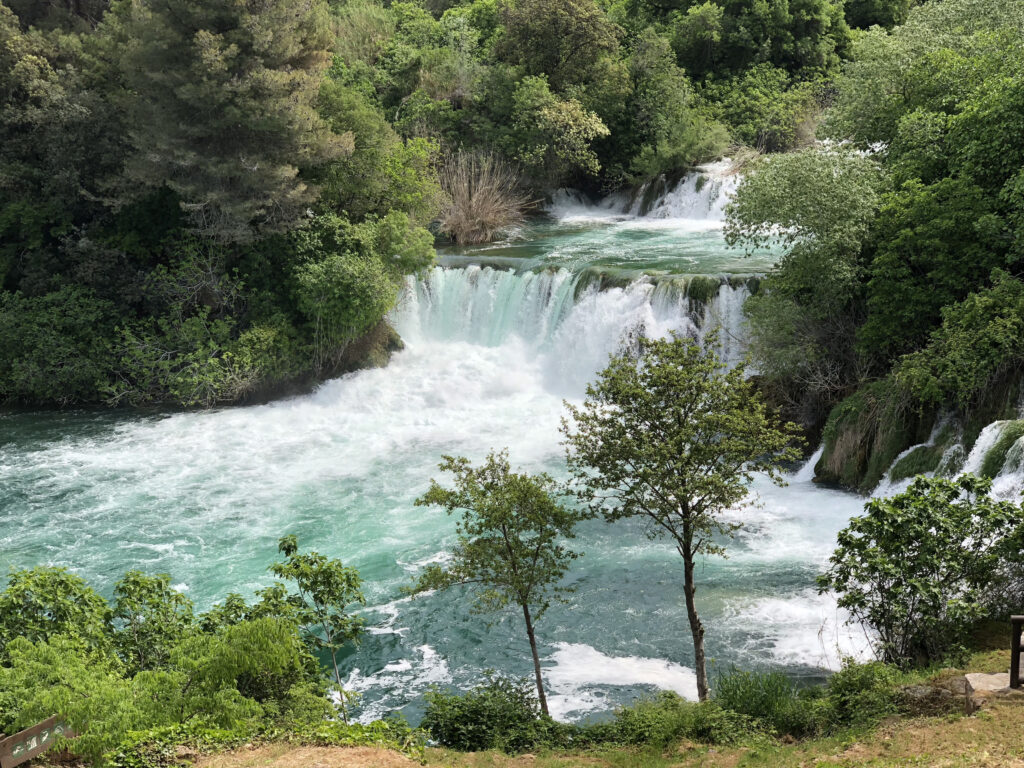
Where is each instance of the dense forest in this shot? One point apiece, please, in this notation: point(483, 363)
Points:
point(205, 203)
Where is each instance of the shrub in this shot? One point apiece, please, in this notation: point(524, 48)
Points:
point(497, 714)
point(483, 197)
point(860, 694)
point(668, 717)
point(918, 567)
point(771, 697)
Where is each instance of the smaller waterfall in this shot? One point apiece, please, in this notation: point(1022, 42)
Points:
point(700, 195)
point(998, 452)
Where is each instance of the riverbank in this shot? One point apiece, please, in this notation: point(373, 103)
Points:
point(989, 738)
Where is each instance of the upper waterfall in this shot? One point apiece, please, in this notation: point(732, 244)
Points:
point(698, 197)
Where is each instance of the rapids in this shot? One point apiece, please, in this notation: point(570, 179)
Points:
point(496, 339)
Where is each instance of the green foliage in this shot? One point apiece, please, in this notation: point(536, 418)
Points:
point(817, 205)
point(562, 39)
point(935, 244)
point(144, 662)
point(978, 343)
point(668, 435)
point(42, 603)
point(916, 566)
point(862, 694)
point(223, 110)
point(327, 590)
point(554, 135)
point(56, 347)
point(499, 713)
point(772, 698)
point(921, 460)
point(151, 617)
point(509, 541)
point(764, 107)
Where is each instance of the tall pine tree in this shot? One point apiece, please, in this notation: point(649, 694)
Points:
point(222, 99)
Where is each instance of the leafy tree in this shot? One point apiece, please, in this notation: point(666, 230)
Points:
point(554, 136)
point(222, 104)
point(151, 618)
point(818, 205)
point(884, 13)
point(915, 568)
point(670, 436)
point(981, 340)
point(562, 39)
point(55, 348)
point(327, 590)
point(44, 602)
point(669, 133)
point(935, 244)
point(509, 541)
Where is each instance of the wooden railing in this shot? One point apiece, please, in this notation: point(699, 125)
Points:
point(1017, 625)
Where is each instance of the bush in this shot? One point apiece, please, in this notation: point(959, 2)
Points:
point(667, 718)
point(497, 714)
point(770, 697)
point(861, 694)
point(483, 197)
point(919, 568)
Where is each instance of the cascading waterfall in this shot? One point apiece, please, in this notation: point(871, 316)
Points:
point(572, 328)
point(1003, 460)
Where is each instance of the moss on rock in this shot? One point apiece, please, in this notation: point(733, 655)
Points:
point(866, 432)
point(994, 459)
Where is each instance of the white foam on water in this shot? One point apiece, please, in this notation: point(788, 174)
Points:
point(579, 672)
point(398, 682)
point(802, 629)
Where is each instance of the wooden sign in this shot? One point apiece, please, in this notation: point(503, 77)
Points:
point(32, 742)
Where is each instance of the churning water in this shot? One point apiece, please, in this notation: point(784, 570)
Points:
point(496, 340)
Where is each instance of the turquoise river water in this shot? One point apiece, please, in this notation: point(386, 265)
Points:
point(496, 339)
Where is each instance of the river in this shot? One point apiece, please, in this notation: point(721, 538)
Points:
point(496, 338)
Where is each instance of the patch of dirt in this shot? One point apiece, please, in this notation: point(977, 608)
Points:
point(291, 756)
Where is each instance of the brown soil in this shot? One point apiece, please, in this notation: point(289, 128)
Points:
point(290, 756)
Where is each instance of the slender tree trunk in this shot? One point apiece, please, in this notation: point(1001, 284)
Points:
point(696, 627)
point(536, 659)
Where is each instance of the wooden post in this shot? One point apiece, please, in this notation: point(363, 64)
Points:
point(1017, 624)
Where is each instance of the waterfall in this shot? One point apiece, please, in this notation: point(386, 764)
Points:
point(989, 448)
point(571, 321)
point(700, 195)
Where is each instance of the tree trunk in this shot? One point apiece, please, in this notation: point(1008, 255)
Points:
point(696, 627)
point(536, 659)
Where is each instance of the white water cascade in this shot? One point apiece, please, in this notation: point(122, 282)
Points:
point(570, 324)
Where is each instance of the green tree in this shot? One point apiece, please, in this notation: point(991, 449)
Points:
point(509, 541)
point(553, 137)
point(669, 435)
point(817, 206)
point(44, 602)
point(151, 617)
point(916, 567)
point(327, 590)
point(563, 39)
point(934, 245)
point(223, 107)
